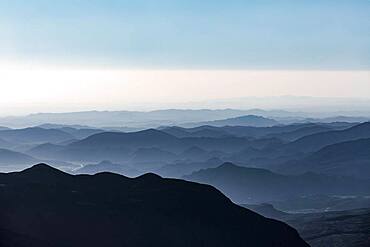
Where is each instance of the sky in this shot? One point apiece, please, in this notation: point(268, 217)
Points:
point(85, 54)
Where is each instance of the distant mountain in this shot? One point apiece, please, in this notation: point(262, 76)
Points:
point(153, 147)
point(15, 161)
point(11, 158)
point(107, 166)
point(253, 185)
point(60, 126)
point(176, 131)
point(77, 131)
point(249, 131)
point(248, 120)
point(81, 133)
point(153, 156)
point(34, 135)
point(45, 151)
point(317, 141)
point(181, 168)
point(201, 131)
point(134, 119)
point(145, 138)
point(351, 158)
point(225, 144)
point(112, 210)
point(5, 144)
point(195, 153)
point(273, 154)
point(153, 119)
point(115, 146)
point(301, 132)
point(343, 119)
point(124, 147)
point(4, 128)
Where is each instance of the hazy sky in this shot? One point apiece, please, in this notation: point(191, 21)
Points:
point(115, 54)
point(272, 34)
point(30, 90)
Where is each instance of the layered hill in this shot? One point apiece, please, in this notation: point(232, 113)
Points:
point(351, 158)
point(8, 157)
point(34, 135)
point(254, 185)
point(317, 141)
point(147, 146)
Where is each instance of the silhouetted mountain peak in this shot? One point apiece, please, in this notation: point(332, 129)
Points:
point(43, 170)
point(149, 177)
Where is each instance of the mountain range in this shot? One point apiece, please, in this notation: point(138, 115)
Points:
point(287, 149)
point(255, 185)
point(153, 119)
point(247, 120)
point(351, 158)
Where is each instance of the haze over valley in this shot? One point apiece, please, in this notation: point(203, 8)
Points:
point(302, 165)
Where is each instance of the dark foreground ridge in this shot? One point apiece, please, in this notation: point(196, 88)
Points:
point(42, 206)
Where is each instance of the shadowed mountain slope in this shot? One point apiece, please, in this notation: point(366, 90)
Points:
point(301, 132)
point(201, 131)
point(351, 158)
point(145, 138)
point(251, 185)
point(8, 157)
point(5, 144)
point(35, 135)
point(124, 147)
point(317, 141)
point(107, 209)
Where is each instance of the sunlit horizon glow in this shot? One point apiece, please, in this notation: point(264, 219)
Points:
point(32, 89)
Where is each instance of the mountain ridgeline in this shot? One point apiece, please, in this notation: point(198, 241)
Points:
point(42, 206)
point(255, 185)
point(286, 149)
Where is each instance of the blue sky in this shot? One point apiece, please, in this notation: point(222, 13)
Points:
point(210, 34)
